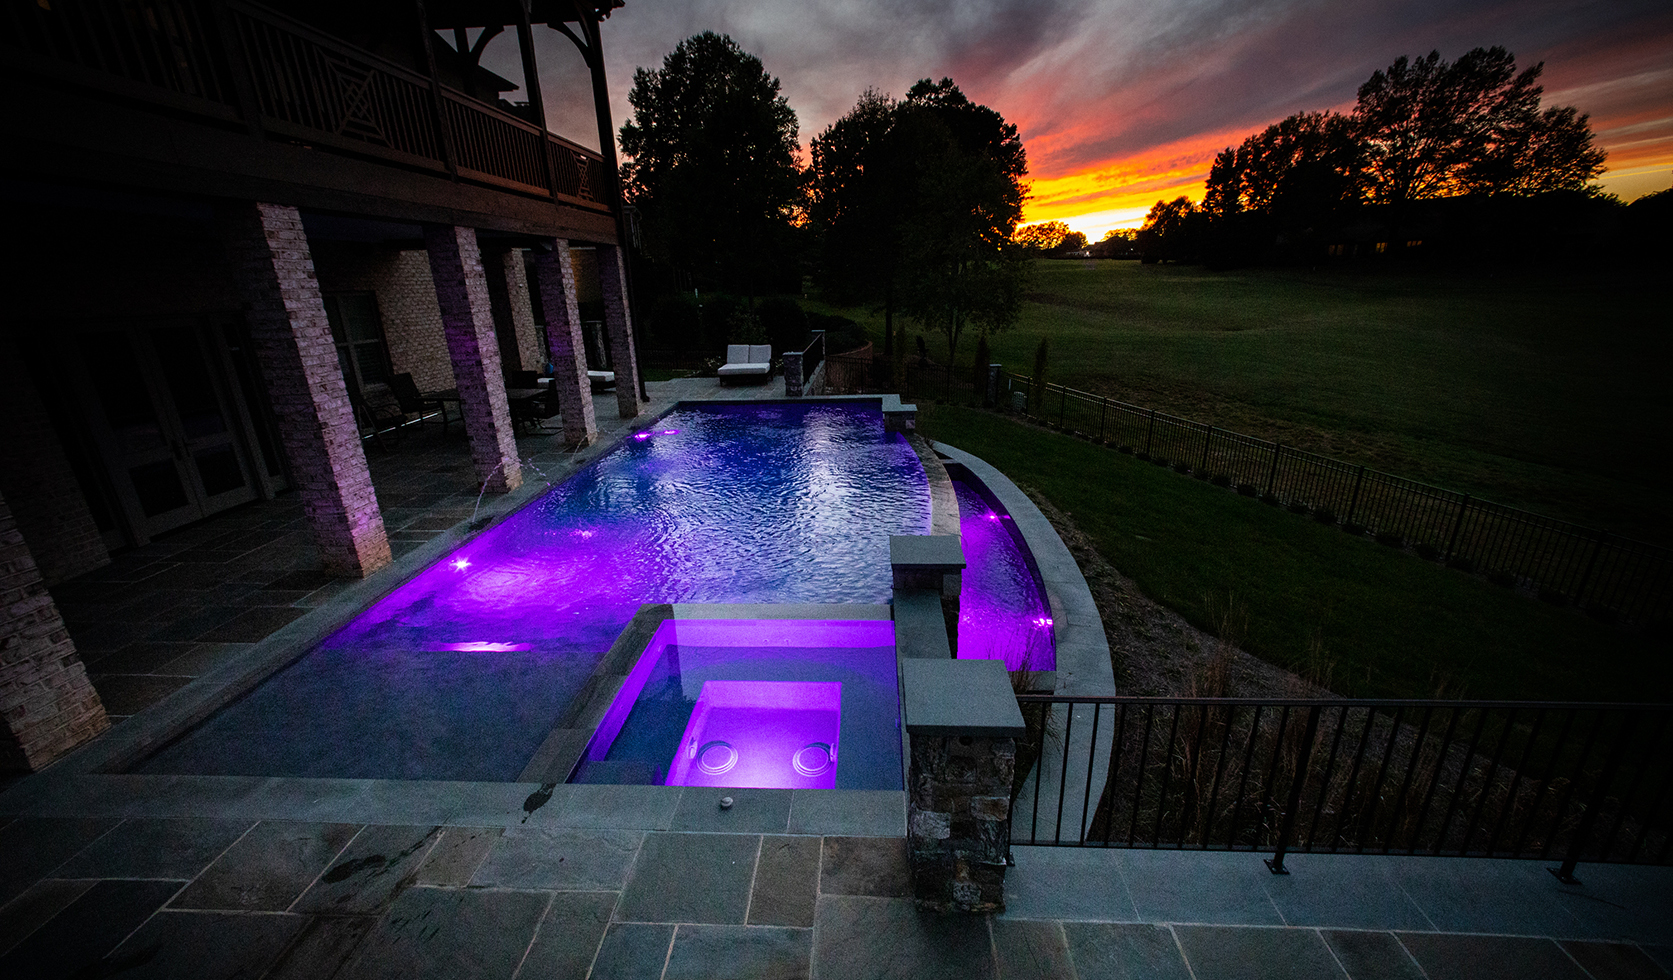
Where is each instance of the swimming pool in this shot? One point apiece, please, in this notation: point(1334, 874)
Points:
point(461, 672)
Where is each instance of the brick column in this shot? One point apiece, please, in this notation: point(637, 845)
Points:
point(554, 273)
point(48, 704)
point(963, 723)
point(618, 321)
point(292, 341)
point(36, 476)
point(468, 321)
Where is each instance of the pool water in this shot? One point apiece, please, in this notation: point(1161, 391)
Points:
point(461, 672)
point(1003, 610)
point(793, 704)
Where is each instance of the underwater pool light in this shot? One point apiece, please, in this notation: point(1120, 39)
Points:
point(486, 647)
point(461, 564)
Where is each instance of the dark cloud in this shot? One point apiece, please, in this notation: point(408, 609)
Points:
point(1091, 81)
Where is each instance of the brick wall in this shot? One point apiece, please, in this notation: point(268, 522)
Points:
point(400, 278)
point(36, 478)
point(48, 704)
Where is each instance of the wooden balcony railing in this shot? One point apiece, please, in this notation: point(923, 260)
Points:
point(235, 62)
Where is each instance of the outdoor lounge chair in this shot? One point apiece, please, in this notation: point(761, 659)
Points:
point(754, 361)
point(415, 403)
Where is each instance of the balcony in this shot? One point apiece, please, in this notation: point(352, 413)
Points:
point(269, 81)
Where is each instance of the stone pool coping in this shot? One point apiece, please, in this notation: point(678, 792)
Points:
point(1083, 652)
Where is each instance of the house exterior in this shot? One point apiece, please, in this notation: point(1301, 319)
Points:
point(226, 218)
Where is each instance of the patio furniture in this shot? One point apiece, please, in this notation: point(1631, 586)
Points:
point(380, 411)
point(532, 406)
point(415, 402)
point(752, 361)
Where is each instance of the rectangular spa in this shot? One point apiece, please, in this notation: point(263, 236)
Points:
point(766, 703)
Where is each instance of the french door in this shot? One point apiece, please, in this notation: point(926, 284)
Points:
point(160, 407)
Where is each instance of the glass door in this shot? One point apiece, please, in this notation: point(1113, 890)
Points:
point(161, 415)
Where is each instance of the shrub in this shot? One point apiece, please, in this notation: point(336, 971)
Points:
point(1427, 551)
point(979, 370)
point(841, 334)
point(1220, 480)
point(1270, 499)
point(1298, 508)
point(1357, 530)
point(1394, 539)
point(1248, 489)
point(1498, 577)
point(1462, 564)
point(1324, 515)
point(1182, 467)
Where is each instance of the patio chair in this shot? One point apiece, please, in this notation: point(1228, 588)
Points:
point(753, 361)
point(380, 411)
point(413, 401)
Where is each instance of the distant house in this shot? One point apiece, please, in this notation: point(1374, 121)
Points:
point(230, 221)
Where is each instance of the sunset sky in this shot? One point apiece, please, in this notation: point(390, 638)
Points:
point(1121, 102)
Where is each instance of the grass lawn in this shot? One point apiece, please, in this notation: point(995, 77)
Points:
point(1543, 391)
point(1381, 622)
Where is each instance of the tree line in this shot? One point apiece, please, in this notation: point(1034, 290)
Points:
point(908, 204)
point(1459, 158)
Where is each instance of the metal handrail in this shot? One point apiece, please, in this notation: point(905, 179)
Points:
point(1566, 781)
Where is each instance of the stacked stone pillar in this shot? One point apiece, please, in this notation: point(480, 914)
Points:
point(618, 322)
point(298, 358)
point(48, 704)
point(468, 323)
point(931, 564)
point(554, 273)
point(963, 723)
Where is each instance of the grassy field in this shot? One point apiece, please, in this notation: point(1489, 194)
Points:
point(1368, 620)
point(1543, 391)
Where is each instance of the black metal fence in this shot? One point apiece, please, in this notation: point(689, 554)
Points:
point(237, 61)
point(1608, 575)
point(1567, 782)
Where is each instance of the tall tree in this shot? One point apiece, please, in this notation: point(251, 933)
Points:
point(916, 202)
point(961, 266)
point(1436, 129)
point(712, 167)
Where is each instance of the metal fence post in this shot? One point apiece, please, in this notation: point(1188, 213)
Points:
point(1063, 407)
point(1272, 474)
point(1150, 433)
point(1207, 441)
point(1103, 413)
point(1353, 502)
point(1287, 826)
point(1591, 563)
point(1457, 525)
point(1565, 874)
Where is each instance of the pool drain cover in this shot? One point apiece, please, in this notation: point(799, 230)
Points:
point(814, 759)
point(717, 757)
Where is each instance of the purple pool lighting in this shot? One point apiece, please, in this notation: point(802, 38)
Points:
point(462, 671)
point(765, 703)
point(762, 734)
point(1003, 612)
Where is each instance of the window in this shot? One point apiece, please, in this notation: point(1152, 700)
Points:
point(358, 330)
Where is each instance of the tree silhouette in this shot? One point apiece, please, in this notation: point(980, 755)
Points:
point(916, 202)
point(712, 166)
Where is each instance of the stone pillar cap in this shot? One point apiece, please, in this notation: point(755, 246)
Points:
point(926, 551)
point(960, 697)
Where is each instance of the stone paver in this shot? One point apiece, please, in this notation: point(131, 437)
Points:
point(889, 939)
point(204, 945)
point(269, 868)
point(786, 882)
point(149, 848)
point(366, 876)
point(569, 860)
point(691, 878)
point(765, 952)
point(1133, 951)
point(447, 933)
point(568, 936)
point(1286, 954)
point(1446, 957)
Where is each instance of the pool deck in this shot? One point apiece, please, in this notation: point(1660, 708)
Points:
point(188, 877)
